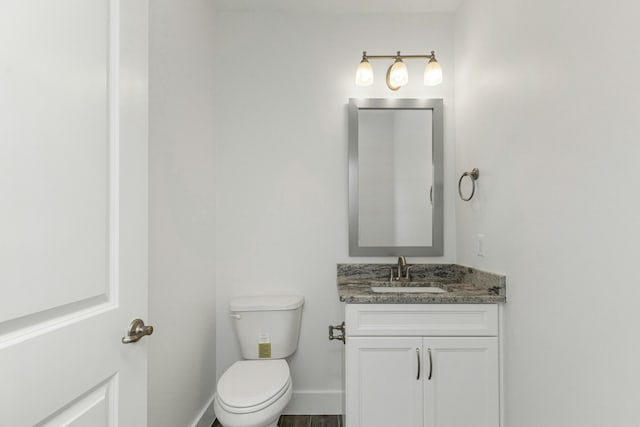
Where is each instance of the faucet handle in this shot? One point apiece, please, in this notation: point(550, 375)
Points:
point(391, 276)
point(407, 276)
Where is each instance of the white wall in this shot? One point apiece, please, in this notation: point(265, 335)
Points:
point(547, 109)
point(284, 81)
point(181, 208)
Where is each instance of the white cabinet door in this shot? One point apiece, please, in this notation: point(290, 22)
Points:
point(383, 388)
point(463, 389)
point(73, 212)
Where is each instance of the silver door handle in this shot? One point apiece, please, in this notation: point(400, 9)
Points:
point(430, 365)
point(137, 330)
point(418, 354)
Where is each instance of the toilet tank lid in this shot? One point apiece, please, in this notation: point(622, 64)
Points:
point(266, 303)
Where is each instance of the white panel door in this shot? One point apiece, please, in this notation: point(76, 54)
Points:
point(73, 212)
point(463, 388)
point(384, 382)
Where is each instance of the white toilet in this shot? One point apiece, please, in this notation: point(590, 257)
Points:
point(254, 392)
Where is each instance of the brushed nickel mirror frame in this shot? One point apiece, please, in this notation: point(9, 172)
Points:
point(437, 141)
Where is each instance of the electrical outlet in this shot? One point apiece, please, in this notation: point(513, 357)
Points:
point(480, 251)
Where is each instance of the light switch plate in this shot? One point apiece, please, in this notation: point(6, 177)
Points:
point(481, 251)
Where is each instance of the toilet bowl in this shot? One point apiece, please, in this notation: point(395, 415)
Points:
point(254, 392)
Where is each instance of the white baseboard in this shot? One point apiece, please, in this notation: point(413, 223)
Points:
point(310, 402)
point(206, 417)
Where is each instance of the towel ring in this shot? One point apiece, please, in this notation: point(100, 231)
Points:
point(474, 174)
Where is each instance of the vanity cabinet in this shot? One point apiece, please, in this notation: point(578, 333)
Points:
point(422, 365)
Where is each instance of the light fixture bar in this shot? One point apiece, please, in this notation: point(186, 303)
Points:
point(399, 56)
point(397, 74)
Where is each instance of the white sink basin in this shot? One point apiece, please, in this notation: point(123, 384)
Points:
point(408, 289)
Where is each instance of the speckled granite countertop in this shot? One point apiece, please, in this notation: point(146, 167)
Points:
point(464, 285)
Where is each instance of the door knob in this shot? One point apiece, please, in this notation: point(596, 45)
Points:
point(137, 330)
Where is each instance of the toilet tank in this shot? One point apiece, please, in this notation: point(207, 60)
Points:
point(267, 326)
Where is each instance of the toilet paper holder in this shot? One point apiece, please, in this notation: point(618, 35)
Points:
point(340, 337)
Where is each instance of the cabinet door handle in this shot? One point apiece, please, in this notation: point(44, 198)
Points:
point(418, 355)
point(430, 365)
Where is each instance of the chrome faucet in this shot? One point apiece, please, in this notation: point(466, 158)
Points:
point(402, 263)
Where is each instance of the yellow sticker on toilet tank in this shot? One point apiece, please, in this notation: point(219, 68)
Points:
point(264, 345)
point(264, 350)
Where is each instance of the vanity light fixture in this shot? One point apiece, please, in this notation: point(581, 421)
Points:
point(397, 75)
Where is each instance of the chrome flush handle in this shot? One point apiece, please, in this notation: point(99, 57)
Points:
point(137, 330)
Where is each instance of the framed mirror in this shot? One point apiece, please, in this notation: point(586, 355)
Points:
point(395, 177)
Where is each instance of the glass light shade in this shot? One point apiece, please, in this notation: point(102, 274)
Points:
point(433, 73)
point(398, 74)
point(364, 74)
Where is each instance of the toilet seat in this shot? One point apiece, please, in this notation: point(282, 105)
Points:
point(252, 385)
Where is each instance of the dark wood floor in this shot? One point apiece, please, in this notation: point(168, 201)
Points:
point(305, 421)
